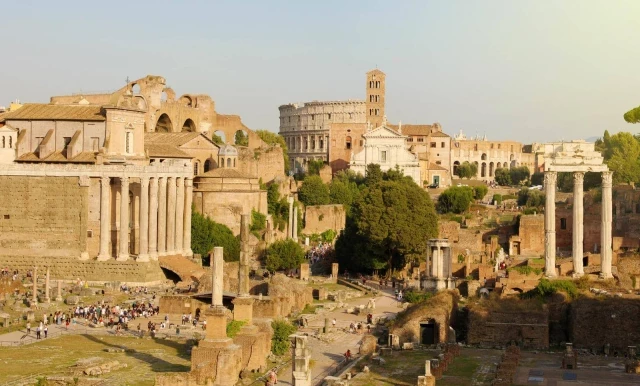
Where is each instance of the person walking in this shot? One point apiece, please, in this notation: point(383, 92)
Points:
point(272, 378)
point(46, 330)
point(28, 328)
point(38, 332)
point(333, 322)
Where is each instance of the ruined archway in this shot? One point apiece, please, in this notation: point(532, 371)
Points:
point(241, 138)
point(189, 126)
point(208, 165)
point(164, 124)
point(490, 169)
point(219, 137)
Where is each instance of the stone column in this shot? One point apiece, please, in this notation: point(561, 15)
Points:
point(123, 253)
point(34, 300)
point(578, 223)
point(188, 199)
point(290, 226)
point(153, 219)
point(47, 287)
point(105, 219)
point(171, 216)
point(59, 295)
point(294, 230)
point(243, 266)
point(179, 215)
point(217, 278)
point(162, 217)
point(301, 371)
point(605, 235)
point(144, 220)
point(550, 223)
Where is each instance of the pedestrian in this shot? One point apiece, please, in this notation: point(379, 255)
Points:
point(38, 332)
point(46, 330)
point(333, 322)
point(347, 355)
point(28, 328)
point(272, 378)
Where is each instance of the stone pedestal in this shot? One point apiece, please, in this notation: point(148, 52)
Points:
point(254, 348)
point(243, 309)
point(334, 272)
point(301, 371)
point(424, 380)
point(304, 271)
point(570, 358)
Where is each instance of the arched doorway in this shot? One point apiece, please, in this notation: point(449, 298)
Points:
point(164, 124)
point(429, 332)
point(207, 165)
point(490, 169)
point(189, 126)
point(456, 164)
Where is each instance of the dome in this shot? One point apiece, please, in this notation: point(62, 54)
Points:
point(228, 150)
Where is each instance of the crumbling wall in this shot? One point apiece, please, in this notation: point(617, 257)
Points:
point(266, 162)
point(499, 323)
point(319, 218)
point(441, 308)
point(531, 234)
point(449, 230)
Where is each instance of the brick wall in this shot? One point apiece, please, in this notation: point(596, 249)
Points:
point(531, 234)
point(319, 218)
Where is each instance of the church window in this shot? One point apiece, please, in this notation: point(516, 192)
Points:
point(10, 142)
point(3, 142)
point(410, 139)
point(442, 144)
point(348, 143)
point(195, 168)
point(433, 144)
point(128, 142)
point(383, 156)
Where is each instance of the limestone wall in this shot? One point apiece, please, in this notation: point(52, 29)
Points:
point(226, 207)
point(266, 162)
point(531, 234)
point(319, 218)
point(439, 309)
point(42, 216)
point(449, 230)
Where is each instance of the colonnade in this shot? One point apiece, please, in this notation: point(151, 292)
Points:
point(606, 249)
point(165, 217)
point(309, 143)
point(439, 266)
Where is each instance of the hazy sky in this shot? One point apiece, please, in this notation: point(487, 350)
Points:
point(535, 70)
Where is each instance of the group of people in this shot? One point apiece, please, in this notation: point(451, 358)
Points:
point(319, 252)
point(40, 330)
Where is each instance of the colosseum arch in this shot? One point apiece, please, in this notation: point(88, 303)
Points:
point(164, 124)
point(189, 125)
point(490, 169)
point(483, 170)
point(221, 134)
point(186, 100)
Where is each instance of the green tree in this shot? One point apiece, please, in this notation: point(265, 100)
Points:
point(271, 138)
point(280, 342)
point(277, 207)
point(624, 160)
point(503, 177)
point(216, 139)
point(374, 174)
point(537, 178)
point(241, 139)
point(480, 191)
point(284, 254)
point(467, 170)
point(519, 175)
point(532, 198)
point(343, 191)
point(206, 234)
point(313, 191)
point(258, 222)
point(455, 199)
point(389, 224)
point(633, 115)
point(314, 166)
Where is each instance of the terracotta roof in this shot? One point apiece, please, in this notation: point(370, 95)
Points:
point(440, 134)
point(41, 111)
point(413, 129)
point(84, 157)
point(433, 166)
point(175, 139)
point(159, 150)
point(225, 173)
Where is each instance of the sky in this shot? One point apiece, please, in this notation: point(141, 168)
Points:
point(527, 70)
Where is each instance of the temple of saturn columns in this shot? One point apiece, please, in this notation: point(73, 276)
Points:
point(576, 157)
point(439, 272)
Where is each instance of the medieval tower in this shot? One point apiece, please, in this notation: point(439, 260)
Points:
point(375, 97)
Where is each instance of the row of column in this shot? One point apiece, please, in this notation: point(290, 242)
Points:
point(606, 249)
point(165, 217)
point(313, 143)
point(440, 264)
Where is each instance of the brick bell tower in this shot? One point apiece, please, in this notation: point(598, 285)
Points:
point(375, 97)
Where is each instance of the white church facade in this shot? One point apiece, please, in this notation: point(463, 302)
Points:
point(387, 148)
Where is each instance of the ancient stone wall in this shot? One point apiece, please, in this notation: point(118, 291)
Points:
point(531, 234)
point(449, 230)
point(497, 324)
point(266, 163)
point(93, 271)
point(345, 140)
point(319, 218)
point(178, 305)
point(225, 207)
point(42, 216)
point(440, 309)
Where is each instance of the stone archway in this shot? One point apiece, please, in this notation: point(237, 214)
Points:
point(189, 126)
point(164, 124)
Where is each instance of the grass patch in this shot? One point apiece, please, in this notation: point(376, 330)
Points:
point(309, 309)
point(525, 270)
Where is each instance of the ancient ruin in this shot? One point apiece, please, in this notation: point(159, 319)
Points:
point(439, 271)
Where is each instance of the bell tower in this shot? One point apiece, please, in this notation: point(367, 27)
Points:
point(375, 97)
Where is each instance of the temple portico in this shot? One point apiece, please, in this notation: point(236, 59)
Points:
point(577, 157)
point(439, 271)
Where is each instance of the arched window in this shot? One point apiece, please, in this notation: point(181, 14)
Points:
point(456, 164)
point(234, 162)
point(483, 172)
point(228, 162)
point(207, 165)
point(484, 156)
point(128, 142)
point(348, 143)
point(491, 169)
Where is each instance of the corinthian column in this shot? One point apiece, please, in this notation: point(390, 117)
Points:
point(153, 219)
point(179, 214)
point(186, 243)
point(578, 223)
point(171, 216)
point(144, 219)
point(162, 217)
point(105, 219)
point(123, 254)
point(550, 223)
point(605, 235)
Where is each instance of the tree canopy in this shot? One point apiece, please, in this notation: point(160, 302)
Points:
point(313, 191)
point(467, 170)
point(241, 139)
point(284, 254)
point(455, 199)
point(503, 177)
point(390, 223)
point(206, 234)
point(633, 115)
point(314, 166)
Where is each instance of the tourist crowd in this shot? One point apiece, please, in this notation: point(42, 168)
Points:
point(320, 252)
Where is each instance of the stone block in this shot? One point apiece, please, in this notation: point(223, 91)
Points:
point(368, 345)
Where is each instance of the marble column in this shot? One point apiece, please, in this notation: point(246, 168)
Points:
point(162, 217)
point(171, 216)
point(34, 299)
point(59, 295)
point(47, 287)
point(105, 219)
point(550, 179)
point(290, 227)
point(153, 219)
point(217, 279)
point(188, 199)
point(294, 230)
point(179, 214)
point(144, 220)
point(578, 223)
point(605, 235)
point(243, 266)
point(123, 253)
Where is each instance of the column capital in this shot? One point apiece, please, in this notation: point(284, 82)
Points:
point(105, 180)
point(144, 181)
point(578, 177)
point(550, 177)
point(188, 182)
point(607, 179)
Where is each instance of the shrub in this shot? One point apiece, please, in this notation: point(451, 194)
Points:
point(280, 341)
point(233, 327)
point(455, 199)
point(525, 270)
point(548, 287)
point(417, 297)
point(206, 234)
point(328, 236)
point(258, 222)
point(313, 191)
point(284, 254)
point(497, 199)
point(480, 191)
point(503, 177)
